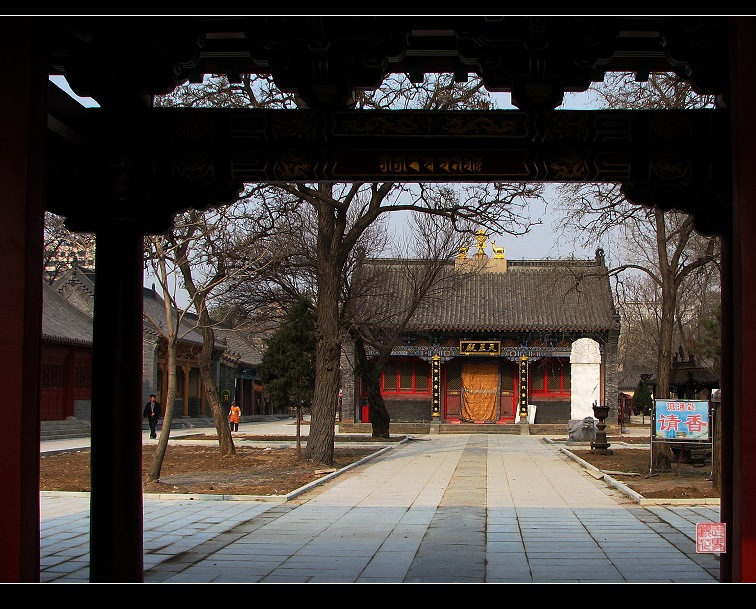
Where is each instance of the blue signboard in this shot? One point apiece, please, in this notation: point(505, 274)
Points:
point(682, 420)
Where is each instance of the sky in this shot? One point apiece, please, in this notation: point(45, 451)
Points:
point(541, 242)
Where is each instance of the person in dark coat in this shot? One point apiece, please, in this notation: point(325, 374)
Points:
point(152, 414)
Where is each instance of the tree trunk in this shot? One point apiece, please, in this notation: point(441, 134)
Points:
point(299, 432)
point(716, 450)
point(199, 297)
point(664, 456)
point(170, 337)
point(328, 341)
point(370, 373)
point(326, 395)
point(153, 473)
point(664, 360)
point(379, 416)
point(220, 415)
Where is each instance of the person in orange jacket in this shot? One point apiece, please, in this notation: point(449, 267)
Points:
point(234, 415)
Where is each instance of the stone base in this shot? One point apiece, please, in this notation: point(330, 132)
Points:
point(602, 451)
point(582, 430)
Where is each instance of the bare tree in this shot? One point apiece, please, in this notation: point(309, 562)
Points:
point(169, 331)
point(342, 215)
point(384, 296)
point(193, 232)
point(662, 246)
point(345, 212)
point(63, 249)
point(208, 249)
point(636, 299)
point(219, 244)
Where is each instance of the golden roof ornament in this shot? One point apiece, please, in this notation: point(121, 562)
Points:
point(481, 238)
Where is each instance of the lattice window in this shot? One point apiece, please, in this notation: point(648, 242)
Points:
point(554, 374)
point(389, 378)
point(550, 377)
point(507, 376)
point(537, 378)
point(82, 378)
point(53, 376)
point(454, 376)
point(422, 376)
point(406, 376)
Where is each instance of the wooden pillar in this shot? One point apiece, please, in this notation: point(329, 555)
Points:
point(116, 545)
point(200, 392)
point(163, 372)
point(70, 389)
point(436, 389)
point(523, 397)
point(739, 337)
point(22, 112)
point(186, 370)
point(239, 394)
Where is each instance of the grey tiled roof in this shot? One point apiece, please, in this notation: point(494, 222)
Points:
point(628, 379)
point(536, 295)
point(154, 309)
point(681, 377)
point(228, 340)
point(698, 376)
point(63, 323)
point(248, 352)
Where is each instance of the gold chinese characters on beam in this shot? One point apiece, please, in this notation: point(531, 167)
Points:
point(480, 347)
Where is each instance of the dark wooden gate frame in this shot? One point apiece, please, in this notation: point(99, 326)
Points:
point(718, 186)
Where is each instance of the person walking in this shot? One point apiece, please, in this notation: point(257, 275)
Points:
point(621, 417)
point(234, 415)
point(152, 414)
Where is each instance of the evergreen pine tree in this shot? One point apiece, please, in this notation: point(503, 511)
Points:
point(642, 401)
point(287, 369)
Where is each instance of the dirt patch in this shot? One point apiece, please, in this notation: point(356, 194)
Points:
point(632, 467)
point(290, 439)
point(258, 470)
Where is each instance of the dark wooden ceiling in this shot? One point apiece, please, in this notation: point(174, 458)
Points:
point(536, 58)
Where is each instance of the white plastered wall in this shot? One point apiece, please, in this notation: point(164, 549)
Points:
point(585, 360)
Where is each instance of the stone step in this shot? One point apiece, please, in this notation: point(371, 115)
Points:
point(400, 428)
point(479, 428)
point(62, 430)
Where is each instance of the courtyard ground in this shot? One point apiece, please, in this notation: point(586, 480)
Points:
point(273, 469)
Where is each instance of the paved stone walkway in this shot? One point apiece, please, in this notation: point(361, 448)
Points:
point(461, 508)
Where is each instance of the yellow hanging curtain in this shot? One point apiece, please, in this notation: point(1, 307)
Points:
point(480, 390)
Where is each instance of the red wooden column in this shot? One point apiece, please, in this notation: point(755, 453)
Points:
point(739, 408)
point(23, 119)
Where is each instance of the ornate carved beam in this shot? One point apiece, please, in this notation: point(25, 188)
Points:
point(163, 160)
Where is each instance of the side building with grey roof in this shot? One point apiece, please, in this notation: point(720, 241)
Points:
point(493, 341)
point(66, 359)
point(68, 310)
point(235, 361)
